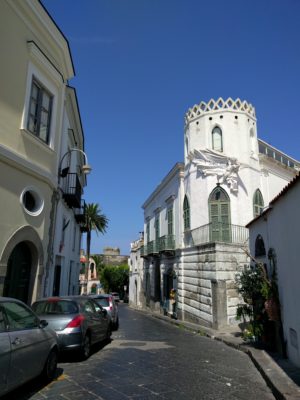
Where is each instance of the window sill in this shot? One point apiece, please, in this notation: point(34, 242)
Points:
point(35, 140)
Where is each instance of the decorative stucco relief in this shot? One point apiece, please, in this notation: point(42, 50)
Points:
point(225, 168)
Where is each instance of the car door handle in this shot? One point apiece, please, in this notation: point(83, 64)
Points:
point(17, 341)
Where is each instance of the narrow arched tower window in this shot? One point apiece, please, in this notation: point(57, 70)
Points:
point(186, 146)
point(217, 140)
point(258, 203)
point(186, 214)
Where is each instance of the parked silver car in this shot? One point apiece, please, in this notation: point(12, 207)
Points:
point(28, 347)
point(116, 296)
point(107, 301)
point(78, 321)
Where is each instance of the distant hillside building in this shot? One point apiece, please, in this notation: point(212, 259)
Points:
point(194, 221)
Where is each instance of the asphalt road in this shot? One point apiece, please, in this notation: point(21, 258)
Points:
point(151, 359)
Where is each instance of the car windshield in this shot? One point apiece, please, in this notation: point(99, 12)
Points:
point(104, 301)
point(55, 307)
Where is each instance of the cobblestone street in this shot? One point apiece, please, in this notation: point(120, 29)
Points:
point(150, 359)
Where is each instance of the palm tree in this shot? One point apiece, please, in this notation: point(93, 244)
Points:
point(95, 221)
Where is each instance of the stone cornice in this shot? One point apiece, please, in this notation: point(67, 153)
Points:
point(177, 169)
point(39, 21)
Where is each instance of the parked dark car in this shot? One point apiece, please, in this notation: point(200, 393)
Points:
point(108, 303)
point(28, 347)
point(78, 321)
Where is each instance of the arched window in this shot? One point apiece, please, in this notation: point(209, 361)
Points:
point(259, 246)
point(258, 203)
point(186, 146)
point(217, 141)
point(219, 215)
point(186, 213)
point(92, 267)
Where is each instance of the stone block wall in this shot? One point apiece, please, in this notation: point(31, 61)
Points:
point(206, 289)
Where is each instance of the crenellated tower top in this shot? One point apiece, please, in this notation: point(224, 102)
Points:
point(219, 105)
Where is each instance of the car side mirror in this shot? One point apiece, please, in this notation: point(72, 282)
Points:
point(43, 324)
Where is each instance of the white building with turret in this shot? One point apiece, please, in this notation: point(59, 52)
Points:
point(194, 221)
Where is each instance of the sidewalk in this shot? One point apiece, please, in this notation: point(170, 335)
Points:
point(280, 374)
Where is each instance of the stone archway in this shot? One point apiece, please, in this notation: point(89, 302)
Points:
point(25, 245)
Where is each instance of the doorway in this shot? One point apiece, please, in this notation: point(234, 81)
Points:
point(219, 216)
point(18, 274)
point(56, 282)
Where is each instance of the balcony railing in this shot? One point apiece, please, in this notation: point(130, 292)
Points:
point(209, 233)
point(220, 232)
point(163, 244)
point(167, 243)
point(72, 190)
point(153, 247)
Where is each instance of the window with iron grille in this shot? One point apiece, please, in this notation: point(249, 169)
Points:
point(260, 249)
point(186, 213)
point(40, 107)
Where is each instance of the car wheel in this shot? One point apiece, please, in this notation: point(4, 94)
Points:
point(49, 370)
point(85, 350)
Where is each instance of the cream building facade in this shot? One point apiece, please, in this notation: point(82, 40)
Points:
point(194, 221)
point(35, 99)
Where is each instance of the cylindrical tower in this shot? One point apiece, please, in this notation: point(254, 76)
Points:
point(221, 150)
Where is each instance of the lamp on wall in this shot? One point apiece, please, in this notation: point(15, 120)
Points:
point(85, 168)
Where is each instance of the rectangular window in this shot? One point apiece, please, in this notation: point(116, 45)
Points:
point(157, 228)
point(40, 107)
point(148, 232)
point(170, 221)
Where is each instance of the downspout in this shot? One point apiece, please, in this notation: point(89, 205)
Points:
point(50, 253)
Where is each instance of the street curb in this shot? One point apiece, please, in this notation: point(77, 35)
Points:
point(281, 385)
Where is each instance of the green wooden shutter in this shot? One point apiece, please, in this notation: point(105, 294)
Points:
point(170, 221)
point(214, 218)
point(219, 210)
point(224, 219)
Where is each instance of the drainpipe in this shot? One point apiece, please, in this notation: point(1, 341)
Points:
point(50, 253)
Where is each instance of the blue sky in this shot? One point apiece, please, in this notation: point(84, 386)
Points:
point(140, 64)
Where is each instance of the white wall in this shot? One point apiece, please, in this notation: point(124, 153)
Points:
point(166, 195)
point(280, 230)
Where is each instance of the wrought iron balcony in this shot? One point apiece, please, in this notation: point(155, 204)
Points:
point(153, 247)
point(167, 243)
point(220, 232)
point(163, 244)
point(72, 190)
